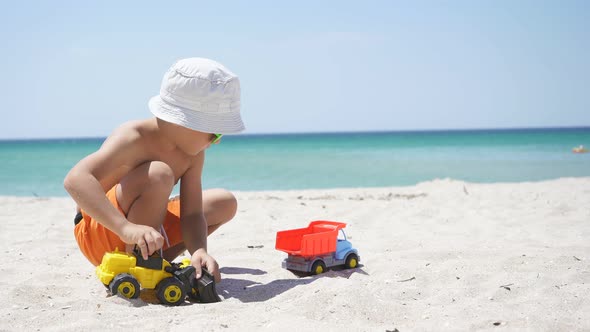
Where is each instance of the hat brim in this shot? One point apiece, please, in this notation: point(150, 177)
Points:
point(218, 123)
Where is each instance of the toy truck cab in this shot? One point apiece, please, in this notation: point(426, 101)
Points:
point(317, 247)
point(343, 246)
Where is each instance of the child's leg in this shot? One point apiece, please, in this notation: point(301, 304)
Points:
point(219, 207)
point(143, 193)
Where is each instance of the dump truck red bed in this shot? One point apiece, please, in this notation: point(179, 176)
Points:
point(318, 238)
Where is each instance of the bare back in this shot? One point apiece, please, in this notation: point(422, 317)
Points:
point(131, 145)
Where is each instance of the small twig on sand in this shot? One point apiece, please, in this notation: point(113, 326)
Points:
point(412, 278)
point(506, 286)
point(578, 259)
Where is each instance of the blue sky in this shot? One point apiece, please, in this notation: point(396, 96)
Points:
point(80, 68)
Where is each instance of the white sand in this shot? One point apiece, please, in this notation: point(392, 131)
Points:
point(459, 243)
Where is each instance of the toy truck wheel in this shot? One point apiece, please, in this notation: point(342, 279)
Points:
point(170, 291)
point(352, 261)
point(126, 285)
point(318, 267)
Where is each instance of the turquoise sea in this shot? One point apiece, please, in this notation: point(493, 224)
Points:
point(334, 160)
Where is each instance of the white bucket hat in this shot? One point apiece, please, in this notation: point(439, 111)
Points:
point(200, 94)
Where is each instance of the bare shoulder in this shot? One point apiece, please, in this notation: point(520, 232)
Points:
point(126, 146)
point(195, 167)
point(136, 136)
point(121, 152)
point(127, 132)
point(190, 185)
point(198, 161)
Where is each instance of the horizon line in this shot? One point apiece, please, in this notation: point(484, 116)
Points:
point(337, 132)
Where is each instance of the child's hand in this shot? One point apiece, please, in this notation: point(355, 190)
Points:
point(202, 258)
point(145, 237)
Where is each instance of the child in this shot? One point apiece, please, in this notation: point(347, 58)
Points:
point(140, 162)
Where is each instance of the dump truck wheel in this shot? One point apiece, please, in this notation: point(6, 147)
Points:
point(126, 285)
point(352, 261)
point(318, 267)
point(171, 291)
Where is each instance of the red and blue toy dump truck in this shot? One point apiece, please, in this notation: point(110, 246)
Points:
point(317, 247)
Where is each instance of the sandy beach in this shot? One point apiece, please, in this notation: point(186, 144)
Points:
point(440, 255)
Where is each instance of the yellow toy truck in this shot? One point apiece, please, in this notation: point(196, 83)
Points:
point(123, 273)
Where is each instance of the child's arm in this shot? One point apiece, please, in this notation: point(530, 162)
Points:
point(192, 218)
point(88, 181)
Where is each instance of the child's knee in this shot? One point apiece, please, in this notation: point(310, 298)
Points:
point(229, 202)
point(161, 176)
point(232, 205)
point(222, 203)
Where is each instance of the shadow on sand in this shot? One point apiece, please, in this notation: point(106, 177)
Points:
point(251, 291)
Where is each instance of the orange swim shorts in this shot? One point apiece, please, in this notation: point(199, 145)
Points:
point(94, 239)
